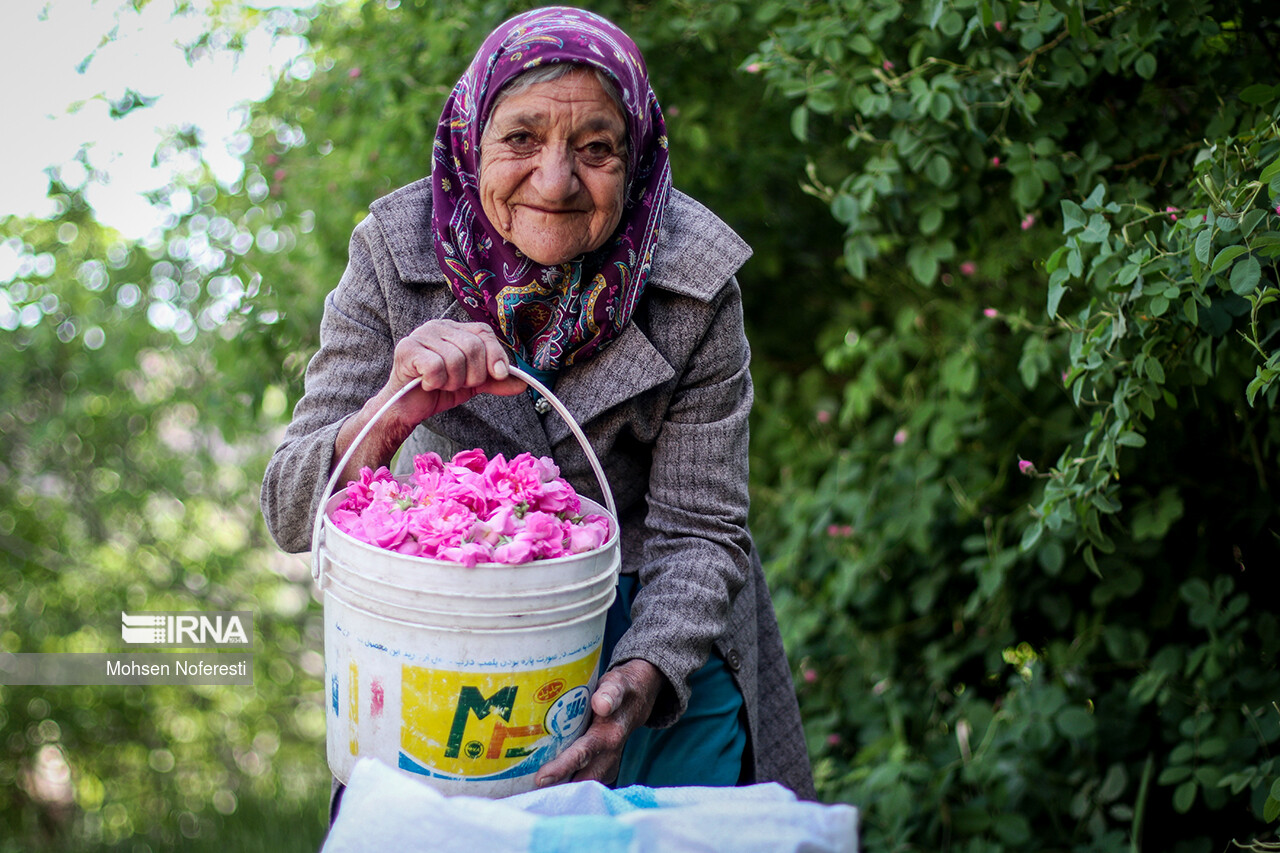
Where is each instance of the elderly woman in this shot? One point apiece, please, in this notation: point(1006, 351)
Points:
point(549, 235)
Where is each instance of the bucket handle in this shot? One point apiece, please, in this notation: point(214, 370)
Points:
point(317, 568)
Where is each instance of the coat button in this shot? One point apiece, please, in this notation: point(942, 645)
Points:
point(733, 659)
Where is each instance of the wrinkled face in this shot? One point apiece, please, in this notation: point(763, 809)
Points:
point(553, 163)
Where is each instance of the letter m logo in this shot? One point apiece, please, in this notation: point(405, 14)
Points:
point(470, 700)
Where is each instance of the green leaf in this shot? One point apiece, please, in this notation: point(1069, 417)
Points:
point(800, 123)
point(931, 220)
point(1145, 66)
point(845, 208)
point(1204, 245)
point(1245, 276)
point(939, 170)
point(1271, 171)
point(1013, 829)
point(1094, 201)
point(1184, 796)
point(1090, 560)
point(1096, 230)
point(1260, 94)
point(1255, 386)
point(1073, 217)
point(1250, 220)
point(1131, 438)
point(821, 101)
point(1027, 189)
point(1271, 810)
point(862, 45)
point(1113, 784)
point(1225, 257)
point(128, 102)
point(924, 266)
point(1075, 21)
point(1075, 262)
point(1075, 722)
point(1056, 292)
point(1030, 536)
point(1155, 370)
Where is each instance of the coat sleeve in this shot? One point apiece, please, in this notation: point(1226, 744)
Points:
point(352, 364)
point(697, 548)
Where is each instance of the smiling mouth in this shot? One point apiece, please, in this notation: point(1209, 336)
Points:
point(551, 210)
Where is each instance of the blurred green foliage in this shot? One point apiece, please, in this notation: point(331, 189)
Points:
point(1014, 456)
point(132, 477)
point(1060, 220)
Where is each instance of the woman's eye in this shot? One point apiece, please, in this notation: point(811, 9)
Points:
point(597, 151)
point(520, 140)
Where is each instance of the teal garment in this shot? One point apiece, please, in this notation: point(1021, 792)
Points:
point(546, 377)
point(706, 745)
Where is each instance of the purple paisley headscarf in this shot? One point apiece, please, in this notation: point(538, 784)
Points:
point(551, 316)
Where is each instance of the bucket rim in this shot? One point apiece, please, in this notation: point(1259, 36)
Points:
point(478, 614)
point(349, 571)
point(552, 626)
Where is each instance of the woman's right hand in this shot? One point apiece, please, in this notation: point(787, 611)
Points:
point(452, 362)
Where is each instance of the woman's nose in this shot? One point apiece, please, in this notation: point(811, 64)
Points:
point(555, 177)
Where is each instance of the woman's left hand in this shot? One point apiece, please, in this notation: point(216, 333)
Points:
point(622, 703)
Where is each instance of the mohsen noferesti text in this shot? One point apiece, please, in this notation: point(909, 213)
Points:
point(117, 667)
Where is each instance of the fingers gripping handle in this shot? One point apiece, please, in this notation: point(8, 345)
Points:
point(317, 565)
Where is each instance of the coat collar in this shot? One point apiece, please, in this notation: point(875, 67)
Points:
point(697, 253)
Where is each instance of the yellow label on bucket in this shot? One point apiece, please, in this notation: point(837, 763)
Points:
point(471, 725)
point(354, 692)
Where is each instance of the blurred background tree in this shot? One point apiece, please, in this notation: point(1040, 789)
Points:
point(1014, 466)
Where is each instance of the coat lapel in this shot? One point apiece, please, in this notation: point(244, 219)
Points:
point(629, 366)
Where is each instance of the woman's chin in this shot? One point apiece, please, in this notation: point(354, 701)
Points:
point(549, 253)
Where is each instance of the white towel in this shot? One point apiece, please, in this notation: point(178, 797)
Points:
point(386, 810)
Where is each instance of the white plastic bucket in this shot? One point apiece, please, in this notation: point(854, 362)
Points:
point(470, 678)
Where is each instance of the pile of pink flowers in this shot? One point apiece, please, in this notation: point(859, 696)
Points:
point(471, 510)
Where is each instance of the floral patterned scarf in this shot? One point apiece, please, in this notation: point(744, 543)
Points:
point(550, 316)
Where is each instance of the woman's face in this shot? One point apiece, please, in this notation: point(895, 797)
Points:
point(553, 163)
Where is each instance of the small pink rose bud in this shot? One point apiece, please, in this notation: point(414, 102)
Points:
point(968, 268)
point(833, 530)
point(900, 437)
point(823, 416)
point(834, 739)
point(1028, 221)
point(887, 65)
point(990, 313)
point(995, 161)
point(354, 72)
point(1025, 467)
point(753, 68)
point(999, 25)
point(809, 676)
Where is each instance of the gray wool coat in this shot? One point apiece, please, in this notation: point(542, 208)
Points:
point(665, 408)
